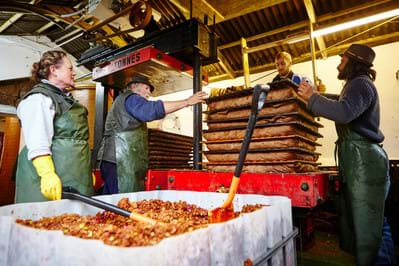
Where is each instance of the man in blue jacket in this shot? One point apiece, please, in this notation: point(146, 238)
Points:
point(124, 148)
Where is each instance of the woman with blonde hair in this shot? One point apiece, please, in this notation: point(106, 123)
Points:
point(56, 132)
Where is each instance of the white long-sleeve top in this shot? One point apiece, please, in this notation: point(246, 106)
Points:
point(36, 114)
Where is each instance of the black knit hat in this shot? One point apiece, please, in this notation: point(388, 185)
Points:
point(361, 53)
point(140, 79)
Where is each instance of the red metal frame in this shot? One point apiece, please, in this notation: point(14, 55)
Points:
point(156, 180)
point(305, 190)
point(166, 73)
point(137, 57)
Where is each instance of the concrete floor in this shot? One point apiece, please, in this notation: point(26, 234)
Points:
point(325, 252)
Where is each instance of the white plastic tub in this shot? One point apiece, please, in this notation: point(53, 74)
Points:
point(250, 236)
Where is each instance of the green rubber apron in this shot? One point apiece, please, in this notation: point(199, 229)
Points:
point(70, 153)
point(363, 171)
point(131, 150)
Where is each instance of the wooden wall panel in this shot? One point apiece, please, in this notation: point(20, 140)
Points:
point(9, 154)
point(12, 90)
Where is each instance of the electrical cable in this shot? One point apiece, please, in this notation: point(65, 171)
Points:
point(264, 76)
point(74, 13)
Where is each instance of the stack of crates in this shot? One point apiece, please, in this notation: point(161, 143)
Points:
point(284, 138)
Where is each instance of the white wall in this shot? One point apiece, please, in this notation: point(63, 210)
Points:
point(17, 54)
point(386, 64)
point(184, 124)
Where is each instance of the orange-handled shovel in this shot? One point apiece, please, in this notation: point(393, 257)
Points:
point(73, 194)
point(226, 211)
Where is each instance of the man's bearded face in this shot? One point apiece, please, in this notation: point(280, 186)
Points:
point(343, 70)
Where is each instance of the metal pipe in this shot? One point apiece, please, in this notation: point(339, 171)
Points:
point(197, 112)
point(83, 77)
point(74, 22)
point(73, 13)
point(191, 9)
point(214, 23)
point(113, 35)
point(312, 53)
point(70, 40)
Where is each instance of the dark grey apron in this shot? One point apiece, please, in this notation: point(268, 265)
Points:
point(363, 171)
point(131, 149)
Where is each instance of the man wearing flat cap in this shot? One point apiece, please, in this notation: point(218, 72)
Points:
point(123, 153)
point(363, 163)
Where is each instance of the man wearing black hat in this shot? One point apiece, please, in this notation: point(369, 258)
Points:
point(363, 163)
point(123, 154)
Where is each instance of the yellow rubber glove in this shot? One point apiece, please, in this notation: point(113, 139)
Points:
point(93, 176)
point(50, 184)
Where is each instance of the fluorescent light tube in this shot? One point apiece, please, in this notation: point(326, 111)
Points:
point(355, 23)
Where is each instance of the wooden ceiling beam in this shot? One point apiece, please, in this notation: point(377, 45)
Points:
point(183, 9)
point(220, 10)
point(239, 8)
point(55, 13)
point(307, 56)
point(226, 66)
point(310, 11)
point(291, 27)
point(313, 19)
point(44, 27)
point(322, 46)
point(213, 10)
point(304, 24)
point(12, 19)
point(199, 10)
